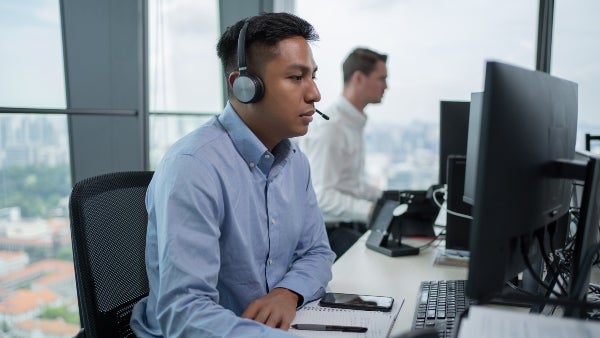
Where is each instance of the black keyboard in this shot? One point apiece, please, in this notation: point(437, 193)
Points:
point(439, 303)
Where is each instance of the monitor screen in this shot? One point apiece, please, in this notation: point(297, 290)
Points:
point(528, 120)
point(472, 147)
point(454, 125)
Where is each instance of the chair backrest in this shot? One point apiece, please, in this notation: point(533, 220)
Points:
point(108, 231)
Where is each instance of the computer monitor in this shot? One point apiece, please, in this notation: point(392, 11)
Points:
point(472, 146)
point(454, 125)
point(528, 121)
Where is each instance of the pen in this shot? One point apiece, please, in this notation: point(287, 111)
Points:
point(320, 327)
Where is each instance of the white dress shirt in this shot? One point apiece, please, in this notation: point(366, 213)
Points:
point(335, 150)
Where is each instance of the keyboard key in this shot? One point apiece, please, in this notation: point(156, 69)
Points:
point(439, 303)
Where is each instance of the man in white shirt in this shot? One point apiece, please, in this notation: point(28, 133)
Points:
point(335, 150)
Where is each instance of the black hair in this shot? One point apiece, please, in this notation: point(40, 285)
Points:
point(362, 60)
point(264, 30)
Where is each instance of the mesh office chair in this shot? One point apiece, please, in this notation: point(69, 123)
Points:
point(108, 231)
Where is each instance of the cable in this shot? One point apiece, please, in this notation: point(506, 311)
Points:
point(443, 232)
point(559, 259)
point(516, 288)
point(442, 190)
point(532, 270)
point(549, 266)
point(434, 194)
point(458, 214)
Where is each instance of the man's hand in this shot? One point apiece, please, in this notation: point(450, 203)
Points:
point(276, 309)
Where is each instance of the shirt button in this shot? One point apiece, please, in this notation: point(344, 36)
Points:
point(251, 164)
point(270, 261)
point(272, 220)
point(267, 156)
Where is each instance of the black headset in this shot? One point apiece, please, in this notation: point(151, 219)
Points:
point(247, 88)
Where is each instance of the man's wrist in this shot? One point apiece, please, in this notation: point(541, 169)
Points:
point(298, 297)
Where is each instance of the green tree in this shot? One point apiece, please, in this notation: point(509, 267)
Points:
point(65, 253)
point(36, 189)
point(50, 312)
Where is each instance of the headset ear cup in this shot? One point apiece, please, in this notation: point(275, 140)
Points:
point(248, 88)
point(259, 88)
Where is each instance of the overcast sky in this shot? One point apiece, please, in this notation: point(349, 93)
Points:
point(437, 50)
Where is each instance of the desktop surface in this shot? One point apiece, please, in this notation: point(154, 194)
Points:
point(364, 271)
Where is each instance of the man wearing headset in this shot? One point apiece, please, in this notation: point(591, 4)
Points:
point(236, 241)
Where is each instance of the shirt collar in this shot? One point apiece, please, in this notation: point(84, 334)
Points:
point(252, 150)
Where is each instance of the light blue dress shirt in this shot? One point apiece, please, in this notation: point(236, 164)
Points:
point(228, 221)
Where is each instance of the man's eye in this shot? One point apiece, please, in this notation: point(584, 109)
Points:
point(296, 77)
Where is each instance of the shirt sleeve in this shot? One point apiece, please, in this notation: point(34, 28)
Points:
point(187, 213)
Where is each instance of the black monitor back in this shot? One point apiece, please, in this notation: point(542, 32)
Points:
point(454, 126)
point(529, 120)
point(458, 222)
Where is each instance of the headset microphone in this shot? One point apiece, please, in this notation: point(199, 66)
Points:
point(322, 115)
point(247, 88)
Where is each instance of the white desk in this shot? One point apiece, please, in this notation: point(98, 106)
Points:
point(364, 271)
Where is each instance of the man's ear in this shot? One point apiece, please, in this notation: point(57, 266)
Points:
point(232, 76)
point(358, 76)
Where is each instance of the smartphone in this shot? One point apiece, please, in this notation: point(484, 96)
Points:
point(357, 302)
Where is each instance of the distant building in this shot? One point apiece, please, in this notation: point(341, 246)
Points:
point(40, 238)
point(10, 214)
point(12, 261)
point(28, 140)
point(55, 328)
point(53, 274)
point(23, 304)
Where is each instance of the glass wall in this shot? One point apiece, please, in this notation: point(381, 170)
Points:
point(436, 51)
point(185, 72)
point(576, 57)
point(37, 285)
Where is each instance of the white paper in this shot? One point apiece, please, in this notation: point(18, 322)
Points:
point(495, 323)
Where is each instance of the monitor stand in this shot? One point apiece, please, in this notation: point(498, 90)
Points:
point(379, 238)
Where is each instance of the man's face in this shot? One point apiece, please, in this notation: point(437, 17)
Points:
point(375, 83)
point(287, 107)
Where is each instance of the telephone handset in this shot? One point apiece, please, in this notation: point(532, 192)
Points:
point(379, 239)
point(402, 213)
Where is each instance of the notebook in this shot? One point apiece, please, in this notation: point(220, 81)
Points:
point(378, 324)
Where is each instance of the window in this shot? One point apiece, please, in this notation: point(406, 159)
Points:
point(576, 57)
point(185, 72)
point(36, 262)
point(31, 61)
point(436, 51)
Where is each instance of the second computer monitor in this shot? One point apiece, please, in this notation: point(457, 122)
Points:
point(454, 126)
point(472, 147)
